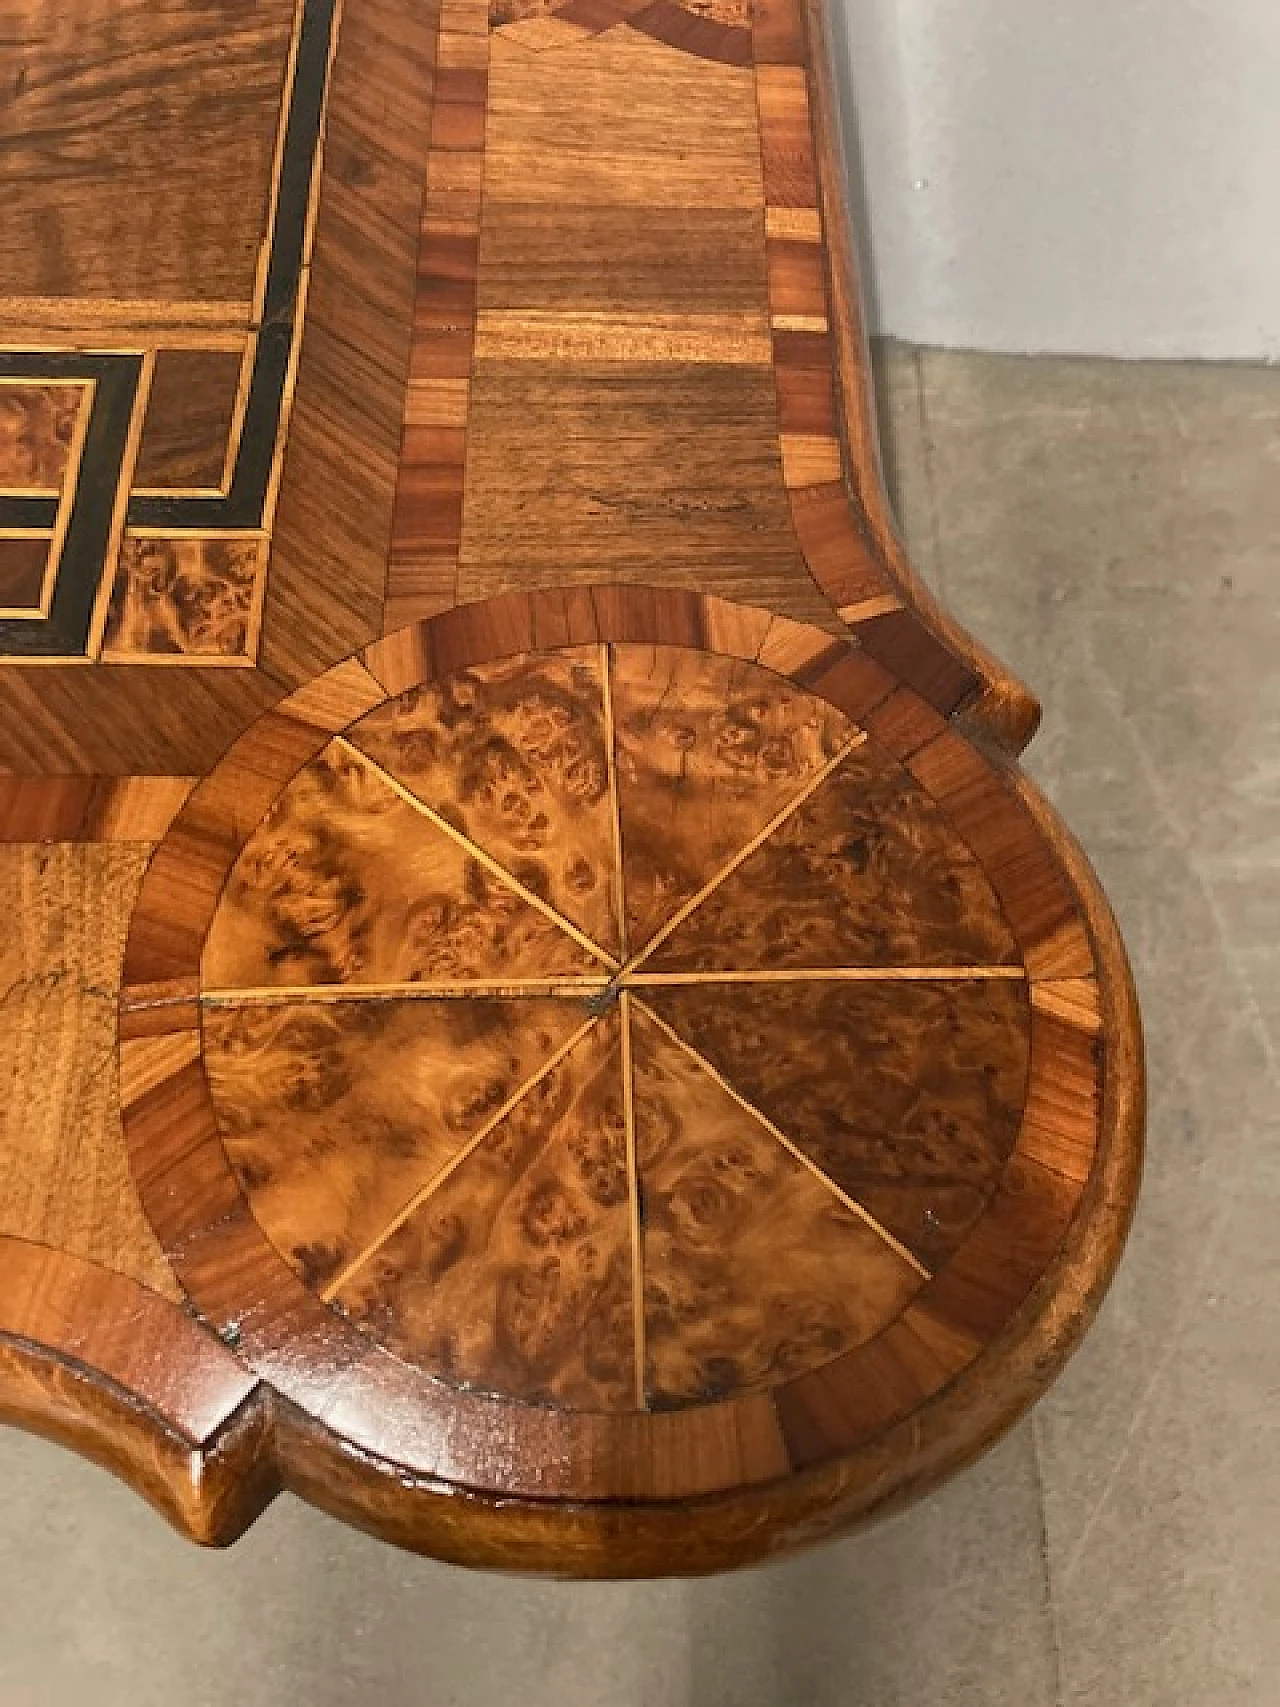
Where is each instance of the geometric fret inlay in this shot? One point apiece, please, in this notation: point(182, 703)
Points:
point(155, 498)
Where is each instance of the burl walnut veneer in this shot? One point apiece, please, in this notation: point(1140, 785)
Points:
point(539, 1011)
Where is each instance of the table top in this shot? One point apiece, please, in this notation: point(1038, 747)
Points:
point(541, 1013)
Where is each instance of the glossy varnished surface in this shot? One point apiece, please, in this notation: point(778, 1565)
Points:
point(335, 1114)
point(348, 882)
point(543, 1016)
point(754, 1270)
point(515, 759)
point(907, 1095)
point(512, 1149)
point(514, 1275)
point(866, 871)
point(708, 752)
point(783, 1207)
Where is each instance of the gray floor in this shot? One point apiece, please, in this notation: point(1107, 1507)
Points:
point(1112, 532)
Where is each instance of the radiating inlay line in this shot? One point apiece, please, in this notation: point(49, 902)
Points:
point(744, 853)
point(490, 864)
point(422, 989)
point(642, 980)
point(633, 1196)
point(442, 1174)
point(615, 807)
point(850, 1203)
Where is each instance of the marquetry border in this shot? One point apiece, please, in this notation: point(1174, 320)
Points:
point(426, 530)
point(835, 541)
point(1034, 1259)
point(1004, 709)
point(103, 505)
point(326, 582)
point(85, 522)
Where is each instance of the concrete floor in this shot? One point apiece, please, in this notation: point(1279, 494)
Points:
point(1111, 531)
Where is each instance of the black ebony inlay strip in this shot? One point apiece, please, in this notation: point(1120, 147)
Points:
point(66, 630)
point(245, 500)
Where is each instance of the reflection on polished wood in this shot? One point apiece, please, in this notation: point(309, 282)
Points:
point(345, 882)
point(907, 1095)
point(709, 749)
point(542, 1014)
point(866, 871)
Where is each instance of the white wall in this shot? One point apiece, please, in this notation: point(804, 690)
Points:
point(1096, 176)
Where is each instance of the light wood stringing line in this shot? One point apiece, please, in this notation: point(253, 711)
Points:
point(615, 808)
point(442, 1174)
point(490, 864)
point(120, 513)
point(421, 990)
point(633, 1195)
point(850, 1203)
point(67, 497)
point(779, 818)
point(824, 975)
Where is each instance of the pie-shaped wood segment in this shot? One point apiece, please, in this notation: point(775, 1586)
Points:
point(513, 755)
point(615, 1069)
point(515, 1274)
point(867, 872)
point(754, 1268)
point(907, 1095)
point(709, 749)
point(335, 1113)
point(348, 882)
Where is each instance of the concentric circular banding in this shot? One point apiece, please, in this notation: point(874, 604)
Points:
point(685, 1193)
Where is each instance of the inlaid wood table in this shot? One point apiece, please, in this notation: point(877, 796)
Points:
point(539, 1011)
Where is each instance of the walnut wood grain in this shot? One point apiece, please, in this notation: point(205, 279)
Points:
point(191, 415)
point(137, 179)
point(334, 482)
point(69, 1186)
point(23, 566)
point(543, 1016)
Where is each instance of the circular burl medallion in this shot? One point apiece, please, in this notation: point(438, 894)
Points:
point(618, 1031)
point(612, 1027)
